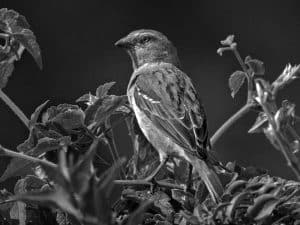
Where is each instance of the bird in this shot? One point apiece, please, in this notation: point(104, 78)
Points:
point(167, 107)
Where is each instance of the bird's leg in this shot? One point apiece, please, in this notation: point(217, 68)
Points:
point(163, 161)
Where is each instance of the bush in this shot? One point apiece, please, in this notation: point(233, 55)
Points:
point(58, 165)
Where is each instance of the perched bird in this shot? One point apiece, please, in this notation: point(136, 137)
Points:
point(166, 105)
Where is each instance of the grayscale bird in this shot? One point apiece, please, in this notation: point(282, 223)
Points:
point(167, 107)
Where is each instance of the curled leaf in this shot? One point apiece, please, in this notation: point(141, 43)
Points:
point(255, 65)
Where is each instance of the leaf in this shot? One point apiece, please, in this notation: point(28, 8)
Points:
point(138, 215)
point(103, 191)
point(6, 70)
point(18, 211)
point(234, 203)
point(66, 115)
point(236, 80)
point(58, 197)
point(260, 123)
point(256, 65)
point(19, 167)
point(17, 27)
point(26, 38)
point(228, 41)
point(35, 116)
point(5, 195)
point(88, 98)
point(263, 207)
point(102, 90)
point(81, 173)
point(236, 186)
point(108, 107)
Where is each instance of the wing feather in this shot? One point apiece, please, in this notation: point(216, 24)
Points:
point(166, 95)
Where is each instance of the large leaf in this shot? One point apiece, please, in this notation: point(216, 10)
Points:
point(17, 27)
point(28, 40)
point(236, 80)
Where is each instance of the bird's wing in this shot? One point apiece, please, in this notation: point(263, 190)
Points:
point(166, 95)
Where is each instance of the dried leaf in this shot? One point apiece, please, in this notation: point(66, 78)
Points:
point(228, 41)
point(236, 80)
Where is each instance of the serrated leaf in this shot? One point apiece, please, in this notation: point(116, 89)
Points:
point(102, 90)
point(28, 40)
point(35, 116)
point(256, 65)
point(263, 207)
point(67, 116)
point(6, 70)
point(236, 80)
point(19, 167)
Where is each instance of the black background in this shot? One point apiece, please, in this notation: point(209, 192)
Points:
point(77, 40)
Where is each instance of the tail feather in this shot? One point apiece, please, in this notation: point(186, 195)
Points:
point(210, 179)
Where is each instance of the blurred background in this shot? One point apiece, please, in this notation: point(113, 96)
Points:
point(77, 41)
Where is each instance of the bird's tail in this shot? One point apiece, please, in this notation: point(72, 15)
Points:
point(210, 179)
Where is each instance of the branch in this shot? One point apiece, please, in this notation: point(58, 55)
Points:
point(239, 114)
point(14, 108)
point(19, 155)
point(147, 183)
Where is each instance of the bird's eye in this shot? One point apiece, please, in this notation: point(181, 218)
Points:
point(145, 40)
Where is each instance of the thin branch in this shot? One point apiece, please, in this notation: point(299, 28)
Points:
point(147, 183)
point(14, 108)
point(239, 114)
point(7, 152)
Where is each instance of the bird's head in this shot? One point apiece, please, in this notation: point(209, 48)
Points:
point(148, 46)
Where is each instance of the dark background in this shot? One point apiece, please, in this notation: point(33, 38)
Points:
point(77, 41)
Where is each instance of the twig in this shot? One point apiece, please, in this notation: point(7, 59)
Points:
point(147, 183)
point(13, 154)
point(244, 110)
point(14, 108)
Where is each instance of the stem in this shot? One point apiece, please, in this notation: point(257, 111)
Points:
point(13, 154)
point(292, 160)
point(239, 114)
point(147, 183)
point(14, 108)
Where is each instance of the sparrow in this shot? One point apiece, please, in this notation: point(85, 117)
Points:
point(167, 107)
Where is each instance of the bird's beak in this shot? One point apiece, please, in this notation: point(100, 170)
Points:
point(123, 43)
